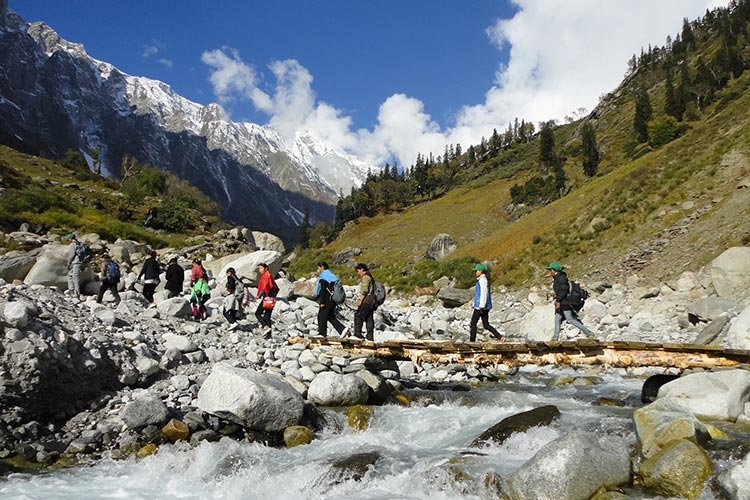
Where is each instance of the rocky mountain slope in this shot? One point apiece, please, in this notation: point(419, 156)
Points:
point(55, 97)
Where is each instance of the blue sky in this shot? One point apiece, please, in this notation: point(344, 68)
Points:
point(381, 79)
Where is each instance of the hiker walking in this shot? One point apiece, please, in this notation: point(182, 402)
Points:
point(267, 290)
point(563, 309)
point(366, 306)
point(324, 296)
point(175, 276)
point(230, 298)
point(150, 274)
point(77, 259)
point(482, 304)
point(110, 274)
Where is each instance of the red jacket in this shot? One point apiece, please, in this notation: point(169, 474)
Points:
point(266, 285)
point(198, 273)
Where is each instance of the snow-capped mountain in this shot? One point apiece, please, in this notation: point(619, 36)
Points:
point(55, 97)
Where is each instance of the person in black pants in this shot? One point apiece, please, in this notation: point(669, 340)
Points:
point(327, 311)
point(175, 278)
point(482, 304)
point(150, 274)
point(108, 282)
point(366, 305)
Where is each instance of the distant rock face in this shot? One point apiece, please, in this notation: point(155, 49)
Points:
point(730, 273)
point(442, 246)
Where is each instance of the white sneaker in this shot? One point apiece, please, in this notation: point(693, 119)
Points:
point(233, 326)
point(345, 333)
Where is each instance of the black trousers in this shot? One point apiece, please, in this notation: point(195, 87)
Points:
point(364, 315)
point(263, 315)
point(327, 314)
point(485, 315)
point(108, 285)
point(231, 315)
point(148, 291)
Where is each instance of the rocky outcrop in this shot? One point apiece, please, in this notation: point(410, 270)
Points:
point(346, 256)
point(572, 467)
point(442, 246)
point(255, 400)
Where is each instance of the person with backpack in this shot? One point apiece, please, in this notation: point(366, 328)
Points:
point(230, 298)
point(110, 274)
point(326, 298)
point(175, 276)
point(563, 309)
point(267, 290)
point(482, 304)
point(150, 274)
point(79, 254)
point(365, 313)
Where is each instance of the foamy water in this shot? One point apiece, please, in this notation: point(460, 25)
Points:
point(414, 443)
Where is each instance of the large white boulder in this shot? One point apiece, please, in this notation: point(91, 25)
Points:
point(286, 288)
point(573, 466)
point(719, 395)
point(710, 308)
point(176, 307)
point(51, 269)
point(738, 336)
point(333, 389)
point(179, 342)
point(442, 246)
point(216, 265)
point(103, 313)
point(16, 265)
point(260, 401)
point(246, 266)
point(539, 323)
point(268, 241)
point(16, 314)
point(730, 273)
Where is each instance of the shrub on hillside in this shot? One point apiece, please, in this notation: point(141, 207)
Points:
point(148, 181)
point(663, 130)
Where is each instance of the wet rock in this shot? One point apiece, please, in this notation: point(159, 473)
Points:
point(650, 388)
point(718, 395)
point(143, 412)
point(679, 470)
point(147, 450)
point(204, 435)
point(442, 246)
point(353, 467)
point(455, 297)
point(662, 422)
point(582, 464)
point(735, 482)
point(332, 389)
point(260, 401)
point(176, 430)
point(297, 435)
point(358, 416)
point(521, 422)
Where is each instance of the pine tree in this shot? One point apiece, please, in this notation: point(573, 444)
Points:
point(672, 105)
point(547, 156)
point(590, 149)
point(688, 38)
point(643, 113)
point(304, 229)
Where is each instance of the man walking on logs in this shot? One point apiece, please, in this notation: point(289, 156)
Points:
point(563, 309)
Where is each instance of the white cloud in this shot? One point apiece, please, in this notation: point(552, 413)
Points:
point(155, 50)
point(563, 54)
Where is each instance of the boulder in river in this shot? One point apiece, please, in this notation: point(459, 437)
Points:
point(664, 421)
point(333, 389)
point(520, 422)
point(679, 470)
point(260, 401)
point(719, 395)
point(572, 467)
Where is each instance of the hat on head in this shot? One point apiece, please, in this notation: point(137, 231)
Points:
point(556, 266)
point(480, 267)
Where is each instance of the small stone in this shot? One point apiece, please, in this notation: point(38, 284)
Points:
point(176, 430)
point(297, 435)
point(358, 416)
point(147, 450)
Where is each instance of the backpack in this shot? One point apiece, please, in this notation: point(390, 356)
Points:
point(338, 295)
point(379, 293)
point(112, 272)
point(83, 252)
point(577, 297)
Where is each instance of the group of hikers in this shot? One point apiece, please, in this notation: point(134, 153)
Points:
point(329, 293)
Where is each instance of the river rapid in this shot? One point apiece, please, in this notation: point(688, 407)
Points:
point(420, 450)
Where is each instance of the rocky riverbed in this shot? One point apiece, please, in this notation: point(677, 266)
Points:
point(87, 383)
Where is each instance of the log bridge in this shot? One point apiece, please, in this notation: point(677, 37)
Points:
point(573, 353)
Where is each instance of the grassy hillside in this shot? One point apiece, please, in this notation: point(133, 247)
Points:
point(651, 211)
point(63, 195)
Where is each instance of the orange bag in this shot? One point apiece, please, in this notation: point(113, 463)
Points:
point(269, 302)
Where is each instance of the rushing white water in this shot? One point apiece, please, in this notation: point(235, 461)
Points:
point(414, 444)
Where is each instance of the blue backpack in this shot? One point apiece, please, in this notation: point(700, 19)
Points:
point(112, 272)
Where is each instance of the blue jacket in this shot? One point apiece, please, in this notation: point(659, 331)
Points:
point(326, 275)
point(482, 288)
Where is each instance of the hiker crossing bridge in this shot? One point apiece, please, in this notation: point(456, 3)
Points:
point(573, 353)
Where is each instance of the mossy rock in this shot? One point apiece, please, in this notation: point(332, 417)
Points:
point(359, 416)
point(678, 470)
point(297, 435)
point(609, 402)
point(402, 399)
point(357, 465)
point(715, 432)
point(561, 380)
point(147, 450)
point(521, 422)
point(176, 430)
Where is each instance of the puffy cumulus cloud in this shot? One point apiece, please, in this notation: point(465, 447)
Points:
point(562, 55)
